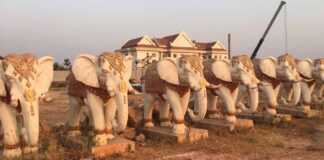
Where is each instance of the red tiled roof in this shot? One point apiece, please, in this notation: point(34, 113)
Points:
point(132, 42)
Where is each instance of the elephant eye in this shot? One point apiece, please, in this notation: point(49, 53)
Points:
point(104, 71)
point(8, 77)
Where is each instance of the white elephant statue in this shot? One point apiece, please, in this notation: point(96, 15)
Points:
point(24, 80)
point(318, 76)
point(291, 82)
point(169, 82)
point(312, 73)
point(230, 75)
point(101, 83)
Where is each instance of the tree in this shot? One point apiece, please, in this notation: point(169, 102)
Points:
point(67, 63)
point(56, 66)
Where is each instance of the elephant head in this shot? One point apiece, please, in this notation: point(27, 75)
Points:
point(24, 79)
point(318, 70)
point(242, 71)
point(287, 73)
point(186, 72)
point(111, 71)
point(312, 72)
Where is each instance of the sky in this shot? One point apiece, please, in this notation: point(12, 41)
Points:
point(66, 28)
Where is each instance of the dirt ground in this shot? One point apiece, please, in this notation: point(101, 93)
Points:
point(301, 139)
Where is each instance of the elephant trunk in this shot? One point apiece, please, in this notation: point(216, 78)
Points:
point(30, 112)
point(200, 102)
point(296, 93)
point(120, 124)
point(254, 99)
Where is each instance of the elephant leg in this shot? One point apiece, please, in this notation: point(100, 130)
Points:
point(75, 104)
point(11, 134)
point(212, 106)
point(164, 114)
point(110, 112)
point(148, 110)
point(178, 117)
point(226, 95)
point(97, 112)
point(241, 97)
point(271, 98)
point(305, 97)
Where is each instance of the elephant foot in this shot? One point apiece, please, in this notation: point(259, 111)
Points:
point(214, 116)
point(100, 140)
point(12, 153)
point(148, 125)
point(29, 149)
point(179, 129)
point(74, 133)
point(231, 119)
point(271, 111)
point(239, 110)
point(304, 108)
point(166, 124)
point(110, 136)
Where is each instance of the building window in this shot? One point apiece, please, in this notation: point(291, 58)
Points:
point(174, 55)
point(209, 56)
point(153, 54)
point(225, 57)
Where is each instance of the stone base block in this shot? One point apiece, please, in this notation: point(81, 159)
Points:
point(215, 124)
point(165, 133)
point(114, 146)
point(266, 118)
point(298, 113)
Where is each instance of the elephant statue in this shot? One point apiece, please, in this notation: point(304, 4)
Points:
point(24, 80)
point(231, 75)
point(318, 76)
point(290, 87)
point(102, 84)
point(169, 82)
point(311, 73)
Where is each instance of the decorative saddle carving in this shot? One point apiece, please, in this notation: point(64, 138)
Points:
point(79, 89)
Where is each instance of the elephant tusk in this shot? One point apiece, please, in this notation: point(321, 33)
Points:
point(213, 86)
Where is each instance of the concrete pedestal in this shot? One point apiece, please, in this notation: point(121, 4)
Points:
point(114, 146)
point(165, 133)
point(266, 118)
point(215, 124)
point(297, 113)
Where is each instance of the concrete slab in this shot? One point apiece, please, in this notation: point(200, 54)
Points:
point(165, 133)
point(297, 113)
point(262, 117)
point(215, 124)
point(114, 146)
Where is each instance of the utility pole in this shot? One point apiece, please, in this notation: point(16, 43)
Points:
point(229, 45)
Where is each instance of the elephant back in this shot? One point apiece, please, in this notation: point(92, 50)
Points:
point(79, 89)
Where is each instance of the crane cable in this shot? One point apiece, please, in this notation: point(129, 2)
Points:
point(286, 29)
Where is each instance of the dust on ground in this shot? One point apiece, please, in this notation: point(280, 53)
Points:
point(301, 139)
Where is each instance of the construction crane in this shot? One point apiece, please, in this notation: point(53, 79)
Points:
point(267, 30)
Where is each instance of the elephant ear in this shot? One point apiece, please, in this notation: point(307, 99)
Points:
point(304, 67)
point(84, 69)
point(45, 75)
point(221, 70)
point(128, 63)
point(167, 70)
point(268, 66)
point(2, 83)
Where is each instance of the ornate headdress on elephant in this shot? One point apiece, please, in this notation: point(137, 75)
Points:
point(289, 58)
point(245, 60)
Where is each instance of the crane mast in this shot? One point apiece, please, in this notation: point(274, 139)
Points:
point(267, 30)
